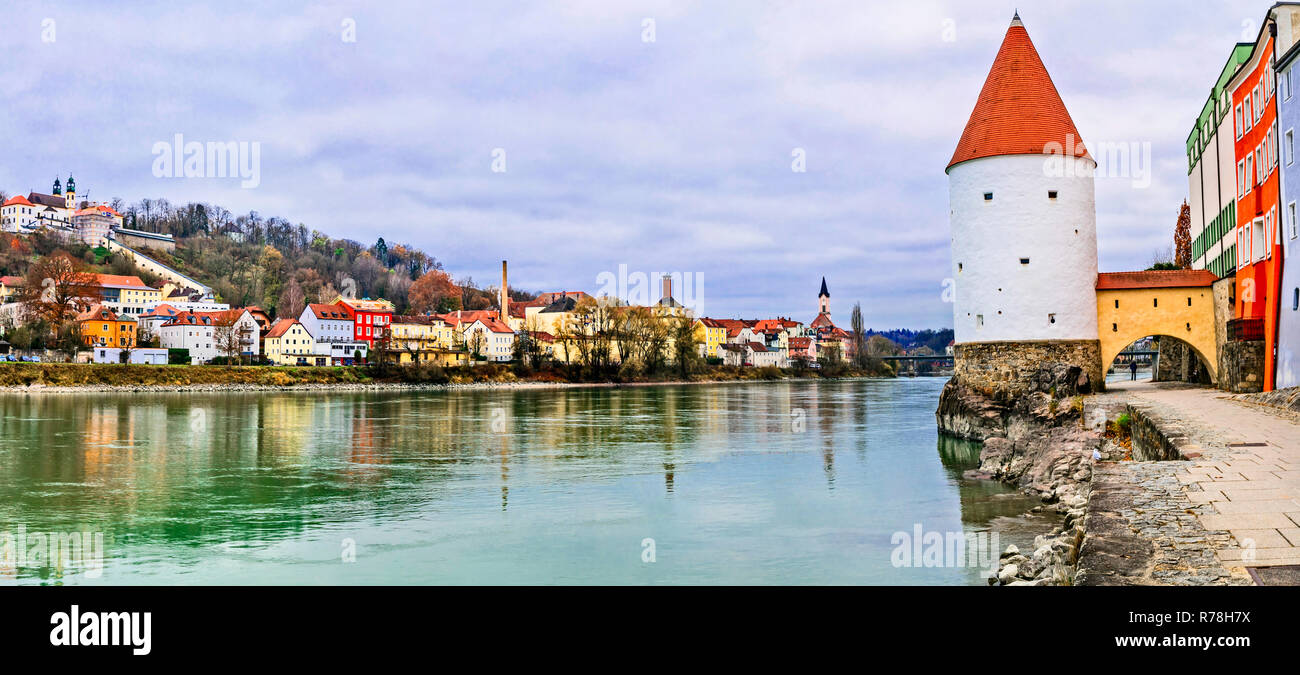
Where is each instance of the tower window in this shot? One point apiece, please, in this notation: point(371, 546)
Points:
point(1114, 328)
point(959, 267)
point(1024, 261)
point(1155, 302)
point(1189, 302)
point(1051, 318)
point(1295, 301)
point(988, 196)
point(1117, 304)
point(1051, 194)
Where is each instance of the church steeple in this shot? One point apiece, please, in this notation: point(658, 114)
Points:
point(824, 300)
point(58, 187)
point(70, 199)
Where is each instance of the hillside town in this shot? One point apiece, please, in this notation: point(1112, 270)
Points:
point(73, 313)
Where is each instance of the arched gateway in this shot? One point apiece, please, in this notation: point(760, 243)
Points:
point(1176, 303)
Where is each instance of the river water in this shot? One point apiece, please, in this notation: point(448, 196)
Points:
point(765, 483)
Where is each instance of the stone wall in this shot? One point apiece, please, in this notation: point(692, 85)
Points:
point(1015, 368)
point(1242, 369)
point(1225, 291)
point(1171, 363)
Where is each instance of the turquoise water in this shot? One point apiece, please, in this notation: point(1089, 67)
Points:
point(767, 483)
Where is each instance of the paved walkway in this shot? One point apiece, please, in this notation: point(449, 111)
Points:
point(1246, 480)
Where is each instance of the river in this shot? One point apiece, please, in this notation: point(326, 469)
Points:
point(764, 483)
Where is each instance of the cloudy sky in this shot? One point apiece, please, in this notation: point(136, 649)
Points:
point(667, 154)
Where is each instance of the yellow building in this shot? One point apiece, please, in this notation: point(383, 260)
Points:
point(711, 333)
point(9, 287)
point(102, 327)
point(1174, 303)
point(424, 339)
point(288, 343)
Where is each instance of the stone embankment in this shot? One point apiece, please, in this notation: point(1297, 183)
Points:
point(1142, 528)
point(1034, 437)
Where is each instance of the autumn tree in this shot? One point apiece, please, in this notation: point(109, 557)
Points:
point(430, 291)
point(1183, 238)
point(292, 301)
point(57, 288)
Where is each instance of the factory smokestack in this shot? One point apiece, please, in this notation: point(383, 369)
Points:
point(505, 296)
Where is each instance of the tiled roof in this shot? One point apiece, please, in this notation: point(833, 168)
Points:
point(757, 346)
point(56, 201)
point(332, 312)
point(1155, 279)
point(121, 281)
point(366, 304)
point(100, 313)
point(280, 327)
point(1019, 111)
point(17, 200)
point(13, 281)
point(494, 325)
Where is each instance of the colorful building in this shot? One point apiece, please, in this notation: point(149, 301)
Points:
point(1259, 253)
point(1211, 161)
point(288, 343)
point(1287, 48)
point(370, 318)
point(102, 327)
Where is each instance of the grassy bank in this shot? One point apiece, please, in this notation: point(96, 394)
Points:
point(14, 375)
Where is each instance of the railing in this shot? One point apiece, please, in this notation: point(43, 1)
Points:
point(1246, 329)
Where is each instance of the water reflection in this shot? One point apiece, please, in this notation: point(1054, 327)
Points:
point(763, 483)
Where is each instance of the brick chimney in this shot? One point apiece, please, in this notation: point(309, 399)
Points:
point(505, 296)
point(667, 285)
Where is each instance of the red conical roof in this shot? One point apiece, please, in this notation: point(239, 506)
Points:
point(1019, 111)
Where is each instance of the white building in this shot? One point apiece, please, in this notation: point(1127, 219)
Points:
point(202, 334)
point(328, 323)
point(497, 340)
point(142, 355)
point(1024, 240)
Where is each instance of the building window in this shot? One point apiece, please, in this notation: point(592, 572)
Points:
point(979, 320)
point(1114, 328)
point(1117, 304)
point(1051, 194)
point(1051, 318)
point(1024, 261)
point(1155, 302)
point(1189, 302)
point(988, 196)
point(1237, 121)
point(1295, 300)
point(1291, 218)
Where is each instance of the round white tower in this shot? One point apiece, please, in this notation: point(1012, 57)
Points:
point(1024, 228)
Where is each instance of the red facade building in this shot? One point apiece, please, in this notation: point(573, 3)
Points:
point(1259, 251)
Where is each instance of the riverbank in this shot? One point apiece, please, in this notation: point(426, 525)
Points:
point(29, 378)
point(1034, 437)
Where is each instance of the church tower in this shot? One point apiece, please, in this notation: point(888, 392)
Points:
point(58, 188)
point(70, 199)
point(1024, 230)
point(824, 300)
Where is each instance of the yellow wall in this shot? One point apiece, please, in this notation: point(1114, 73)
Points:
point(108, 333)
point(288, 348)
point(1157, 311)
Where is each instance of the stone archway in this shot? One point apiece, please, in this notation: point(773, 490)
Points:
point(1170, 348)
point(1177, 304)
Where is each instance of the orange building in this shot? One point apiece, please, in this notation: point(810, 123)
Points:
point(102, 327)
point(1259, 251)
